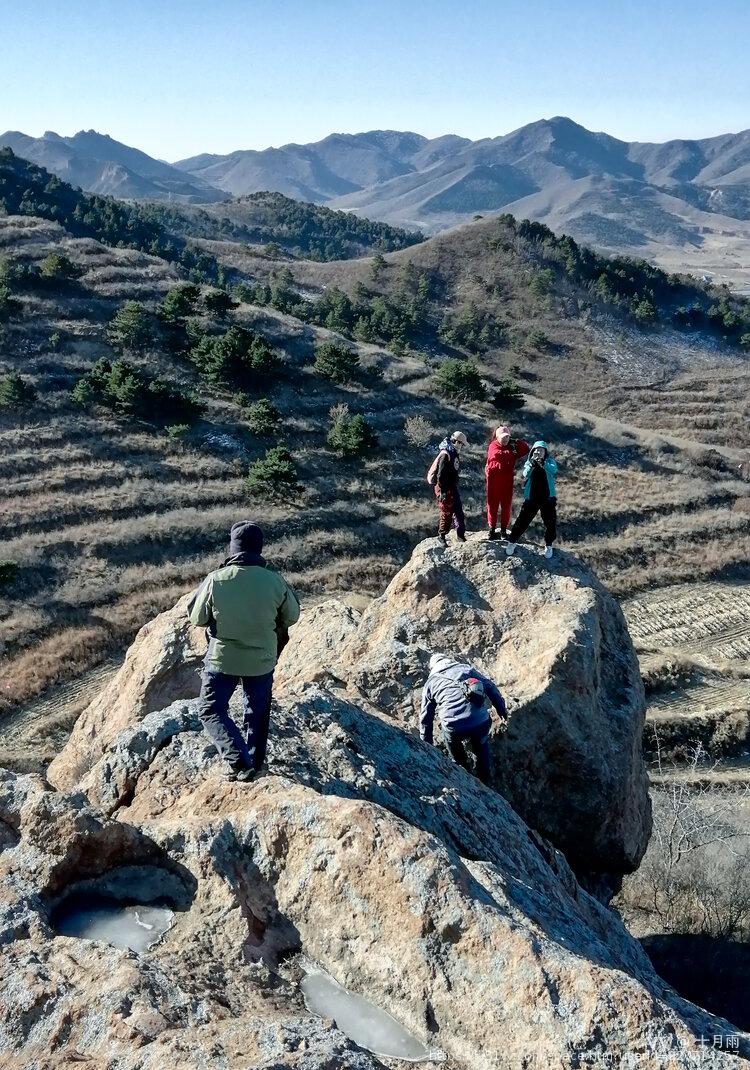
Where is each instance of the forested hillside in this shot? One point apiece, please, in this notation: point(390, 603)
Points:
point(270, 220)
point(282, 224)
point(26, 189)
point(430, 301)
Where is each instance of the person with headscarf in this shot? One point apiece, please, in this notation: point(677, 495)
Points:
point(503, 453)
point(246, 608)
point(443, 477)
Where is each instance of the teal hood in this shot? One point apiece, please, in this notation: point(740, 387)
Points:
point(550, 468)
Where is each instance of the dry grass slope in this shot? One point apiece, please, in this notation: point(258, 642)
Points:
point(109, 521)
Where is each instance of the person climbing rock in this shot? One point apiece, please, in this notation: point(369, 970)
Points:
point(503, 453)
point(540, 496)
point(458, 694)
point(443, 476)
point(247, 609)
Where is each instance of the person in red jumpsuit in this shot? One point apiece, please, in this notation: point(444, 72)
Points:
point(503, 453)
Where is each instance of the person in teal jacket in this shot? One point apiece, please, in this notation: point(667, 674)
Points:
point(539, 496)
point(247, 609)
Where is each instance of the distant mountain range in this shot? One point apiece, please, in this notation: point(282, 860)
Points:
point(684, 200)
point(99, 164)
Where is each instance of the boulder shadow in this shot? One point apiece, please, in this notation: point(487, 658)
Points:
point(711, 972)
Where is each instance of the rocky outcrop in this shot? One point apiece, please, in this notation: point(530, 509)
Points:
point(162, 665)
point(569, 757)
point(362, 850)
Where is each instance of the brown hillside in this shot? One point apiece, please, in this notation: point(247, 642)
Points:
point(108, 519)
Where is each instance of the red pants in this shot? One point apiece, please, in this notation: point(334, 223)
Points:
point(450, 511)
point(499, 496)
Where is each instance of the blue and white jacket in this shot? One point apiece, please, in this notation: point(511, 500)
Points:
point(442, 694)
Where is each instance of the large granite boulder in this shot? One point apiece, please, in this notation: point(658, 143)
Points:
point(568, 758)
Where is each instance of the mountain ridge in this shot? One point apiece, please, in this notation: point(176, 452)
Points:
point(100, 164)
point(683, 203)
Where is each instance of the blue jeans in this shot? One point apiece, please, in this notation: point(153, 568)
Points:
point(240, 751)
point(479, 741)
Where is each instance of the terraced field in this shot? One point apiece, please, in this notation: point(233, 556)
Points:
point(710, 620)
point(694, 645)
point(712, 404)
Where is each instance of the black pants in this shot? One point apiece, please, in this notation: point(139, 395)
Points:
point(548, 508)
point(241, 750)
point(479, 741)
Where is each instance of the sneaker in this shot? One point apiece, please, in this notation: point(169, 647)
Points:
point(510, 549)
point(491, 534)
point(548, 552)
point(506, 533)
point(443, 539)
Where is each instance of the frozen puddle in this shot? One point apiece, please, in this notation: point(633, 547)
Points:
point(136, 927)
point(362, 1022)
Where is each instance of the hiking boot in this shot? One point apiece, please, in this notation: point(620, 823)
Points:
point(443, 539)
point(510, 549)
point(548, 552)
point(239, 775)
point(491, 534)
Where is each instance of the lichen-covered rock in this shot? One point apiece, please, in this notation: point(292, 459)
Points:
point(162, 665)
point(363, 850)
point(569, 757)
point(316, 641)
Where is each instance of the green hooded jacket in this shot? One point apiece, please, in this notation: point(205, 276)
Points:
point(246, 609)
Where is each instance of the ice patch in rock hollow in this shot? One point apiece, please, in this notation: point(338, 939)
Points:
point(135, 926)
point(361, 1021)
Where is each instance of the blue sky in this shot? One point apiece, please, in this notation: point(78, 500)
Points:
point(178, 77)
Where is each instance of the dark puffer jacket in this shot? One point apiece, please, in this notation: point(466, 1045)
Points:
point(444, 695)
point(447, 467)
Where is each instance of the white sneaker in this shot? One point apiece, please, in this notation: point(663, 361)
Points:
point(510, 549)
point(548, 552)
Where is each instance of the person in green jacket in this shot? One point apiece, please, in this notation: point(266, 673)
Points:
point(247, 609)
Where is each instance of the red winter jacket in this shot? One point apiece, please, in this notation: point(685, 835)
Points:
point(503, 458)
